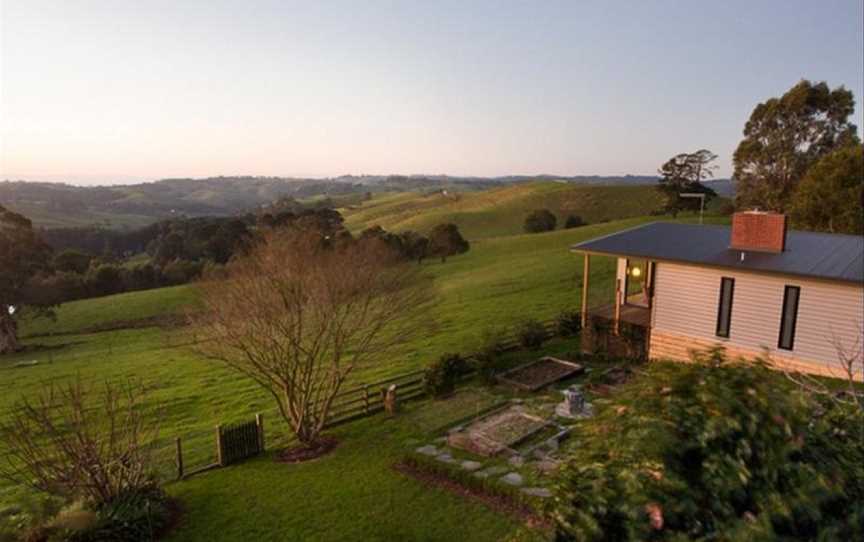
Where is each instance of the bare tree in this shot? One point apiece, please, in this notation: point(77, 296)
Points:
point(298, 315)
point(850, 368)
point(71, 441)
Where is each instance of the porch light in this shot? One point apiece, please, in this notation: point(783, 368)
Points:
point(635, 272)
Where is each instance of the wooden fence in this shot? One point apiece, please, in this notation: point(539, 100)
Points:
point(367, 399)
point(236, 442)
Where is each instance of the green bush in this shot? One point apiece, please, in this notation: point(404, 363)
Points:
point(568, 323)
point(531, 333)
point(440, 378)
point(135, 516)
point(487, 360)
point(722, 451)
point(466, 479)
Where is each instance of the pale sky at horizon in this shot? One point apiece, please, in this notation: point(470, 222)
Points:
point(99, 92)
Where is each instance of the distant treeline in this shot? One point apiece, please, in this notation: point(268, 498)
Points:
point(90, 262)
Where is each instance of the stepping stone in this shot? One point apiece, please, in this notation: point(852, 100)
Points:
point(471, 465)
point(547, 466)
point(427, 450)
point(513, 478)
point(445, 458)
point(516, 460)
point(541, 492)
point(490, 471)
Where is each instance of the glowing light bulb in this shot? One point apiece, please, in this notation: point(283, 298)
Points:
point(636, 272)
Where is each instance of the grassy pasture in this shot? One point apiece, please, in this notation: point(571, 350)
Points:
point(500, 281)
point(502, 211)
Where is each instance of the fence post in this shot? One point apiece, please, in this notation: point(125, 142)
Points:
point(259, 421)
point(219, 450)
point(366, 398)
point(179, 450)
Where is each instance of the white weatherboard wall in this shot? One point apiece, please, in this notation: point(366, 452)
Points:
point(687, 296)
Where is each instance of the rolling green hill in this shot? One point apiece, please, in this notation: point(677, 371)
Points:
point(502, 211)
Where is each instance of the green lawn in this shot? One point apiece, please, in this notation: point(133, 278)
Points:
point(351, 494)
point(84, 314)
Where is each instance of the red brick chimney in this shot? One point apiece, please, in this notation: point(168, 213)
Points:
point(758, 231)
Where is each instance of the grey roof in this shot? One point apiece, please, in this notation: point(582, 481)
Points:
point(809, 254)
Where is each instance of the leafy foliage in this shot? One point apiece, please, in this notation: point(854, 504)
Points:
point(684, 173)
point(23, 255)
point(446, 240)
point(539, 221)
point(574, 221)
point(441, 376)
point(785, 136)
point(531, 333)
point(831, 195)
point(719, 449)
point(568, 322)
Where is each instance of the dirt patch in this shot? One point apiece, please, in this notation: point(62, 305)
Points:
point(540, 373)
point(301, 453)
point(500, 503)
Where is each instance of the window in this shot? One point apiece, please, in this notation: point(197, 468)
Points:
point(789, 317)
point(724, 308)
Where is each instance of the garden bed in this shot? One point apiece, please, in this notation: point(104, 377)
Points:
point(538, 374)
point(493, 433)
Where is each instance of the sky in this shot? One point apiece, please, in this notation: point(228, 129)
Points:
point(98, 92)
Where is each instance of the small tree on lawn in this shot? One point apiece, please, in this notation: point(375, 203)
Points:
point(446, 240)
point(298, 315)
point(540, 221)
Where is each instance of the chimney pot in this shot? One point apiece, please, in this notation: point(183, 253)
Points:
point(759, 231)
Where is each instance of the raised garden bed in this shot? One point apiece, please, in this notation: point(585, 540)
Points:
point(497, 431)
point(538, 374)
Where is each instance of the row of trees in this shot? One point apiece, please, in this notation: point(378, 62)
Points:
point(545, 220)
point(35, 279)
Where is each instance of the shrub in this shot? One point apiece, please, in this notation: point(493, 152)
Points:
point(531, 333)
point(721, 451)
point(138, 515)
point(441, 376)
point(573, 221)
point(487, 359)
point(467, 479)
point(72, 442)
point(568, 323)
point(540, 221)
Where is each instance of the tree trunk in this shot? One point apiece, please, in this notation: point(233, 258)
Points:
point(8, 332)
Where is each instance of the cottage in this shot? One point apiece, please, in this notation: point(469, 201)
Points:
point(750, 287)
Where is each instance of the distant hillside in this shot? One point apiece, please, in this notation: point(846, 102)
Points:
point(502, 211)
point(128, 206)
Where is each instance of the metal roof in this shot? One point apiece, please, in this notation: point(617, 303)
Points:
point(809, 254)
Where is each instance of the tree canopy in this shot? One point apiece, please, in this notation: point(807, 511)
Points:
point(830, 197)
point(23, 255)
point(446, 240)
point(684, 173)
point(785, 136)
point(539, 221)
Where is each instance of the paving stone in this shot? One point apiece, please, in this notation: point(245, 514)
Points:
point(516, 460)
point(490, 471)
point(547, 466)
point(427, 450)
point(541, 492)
point(471, 465)
point(445, 458)
point(513, 478)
